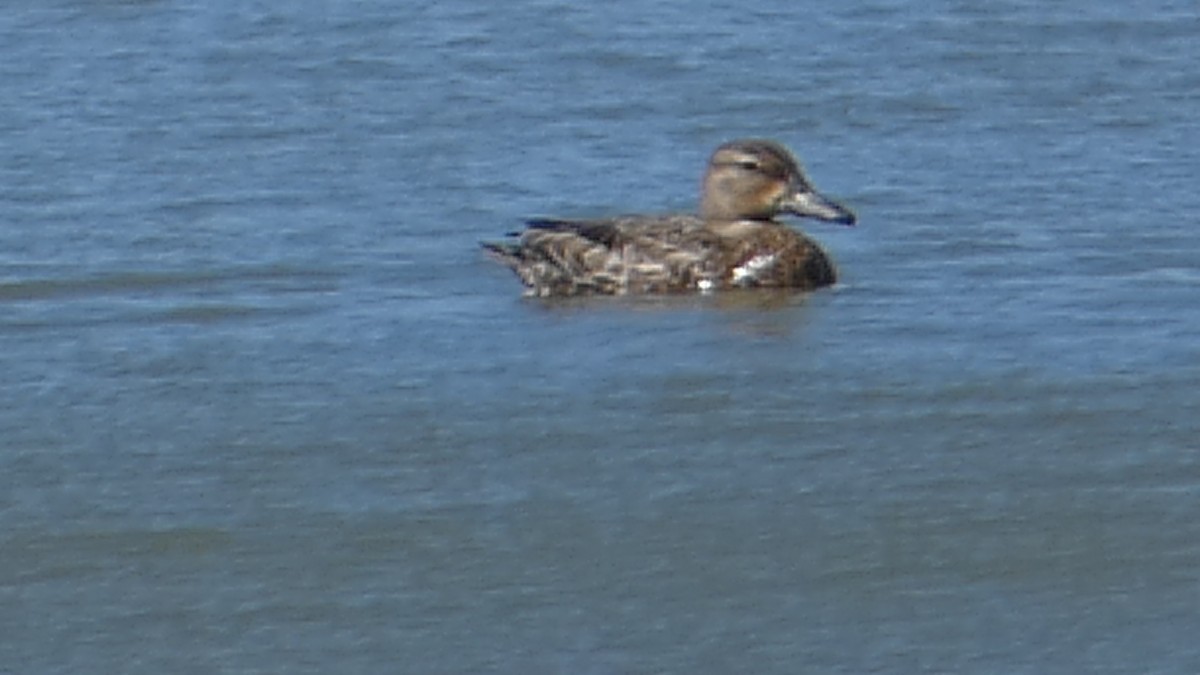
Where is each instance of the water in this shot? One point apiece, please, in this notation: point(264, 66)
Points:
point(265, 408)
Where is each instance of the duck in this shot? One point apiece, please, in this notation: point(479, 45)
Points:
point(734, 241)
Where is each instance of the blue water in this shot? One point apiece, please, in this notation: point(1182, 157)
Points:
point(266, 408)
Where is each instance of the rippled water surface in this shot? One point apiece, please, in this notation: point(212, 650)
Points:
point(265, 407)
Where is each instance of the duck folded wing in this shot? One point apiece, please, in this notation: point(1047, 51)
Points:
point(615, 255)
point(559, 258)
point(604, 232)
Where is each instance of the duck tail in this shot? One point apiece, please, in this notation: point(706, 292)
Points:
point(504, 252)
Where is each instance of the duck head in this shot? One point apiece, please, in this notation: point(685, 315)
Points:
point(754, 179)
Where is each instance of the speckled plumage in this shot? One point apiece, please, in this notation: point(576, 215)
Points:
point(735, 241)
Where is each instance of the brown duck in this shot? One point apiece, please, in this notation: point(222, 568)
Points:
point(735, 242)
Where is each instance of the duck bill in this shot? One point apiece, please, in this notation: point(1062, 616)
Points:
point(810, 204)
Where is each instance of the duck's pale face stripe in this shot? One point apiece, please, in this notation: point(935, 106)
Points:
point(748, 272)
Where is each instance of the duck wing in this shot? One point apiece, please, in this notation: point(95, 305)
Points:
point(610, 256)
point(605, 231)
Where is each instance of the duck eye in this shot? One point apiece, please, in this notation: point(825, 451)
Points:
point(748, 164)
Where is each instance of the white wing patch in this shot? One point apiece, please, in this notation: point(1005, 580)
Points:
point(747, 273)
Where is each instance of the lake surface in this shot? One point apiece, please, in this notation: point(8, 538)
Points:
point(266, 408)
